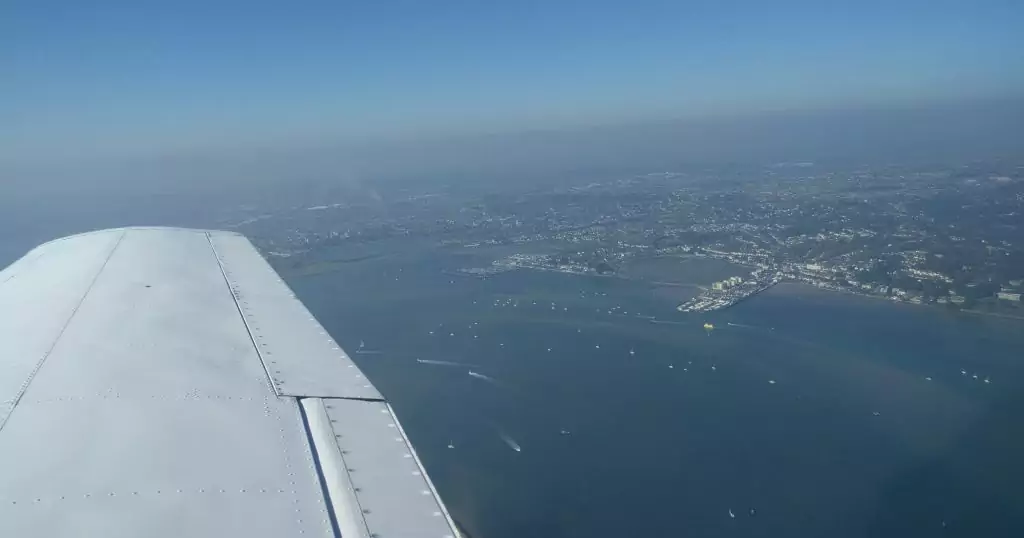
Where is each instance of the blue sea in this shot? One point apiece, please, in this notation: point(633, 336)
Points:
point(803, 413)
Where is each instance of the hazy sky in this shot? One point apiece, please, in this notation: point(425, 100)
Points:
point(115, 78)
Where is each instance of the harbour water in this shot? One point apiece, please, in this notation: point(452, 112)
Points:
point(803, 413)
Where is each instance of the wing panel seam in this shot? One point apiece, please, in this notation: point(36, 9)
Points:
point(39, 364)
point(238, 307)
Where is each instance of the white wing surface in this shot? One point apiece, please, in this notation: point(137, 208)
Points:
point(166, 382)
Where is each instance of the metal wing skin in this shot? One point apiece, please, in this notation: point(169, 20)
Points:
point(166, 382)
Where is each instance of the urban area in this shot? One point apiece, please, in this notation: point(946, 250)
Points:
point(945, 235)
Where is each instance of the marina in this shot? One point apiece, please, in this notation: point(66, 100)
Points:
point(722, 296)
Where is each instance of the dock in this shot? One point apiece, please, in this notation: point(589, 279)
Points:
point(720, 299)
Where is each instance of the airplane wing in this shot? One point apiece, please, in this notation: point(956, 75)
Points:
point(166, 382)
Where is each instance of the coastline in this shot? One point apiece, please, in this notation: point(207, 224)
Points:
point(805, 286)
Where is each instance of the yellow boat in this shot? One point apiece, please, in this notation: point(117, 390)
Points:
point(708, 326)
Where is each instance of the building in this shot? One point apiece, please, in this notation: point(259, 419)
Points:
point(929, 275)
point(727, 283)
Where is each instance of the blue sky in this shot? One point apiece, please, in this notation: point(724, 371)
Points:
point(117, 78)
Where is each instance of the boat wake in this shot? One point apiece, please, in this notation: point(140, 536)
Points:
point(745, 326)
point(442, 363)
point(486, 378)
point(510, 441)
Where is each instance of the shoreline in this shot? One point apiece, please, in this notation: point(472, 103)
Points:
point(784, 283)
point(934, 306)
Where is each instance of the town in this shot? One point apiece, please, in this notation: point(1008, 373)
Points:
point(943, 235)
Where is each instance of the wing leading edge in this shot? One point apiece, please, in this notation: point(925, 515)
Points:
point(166, 382)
